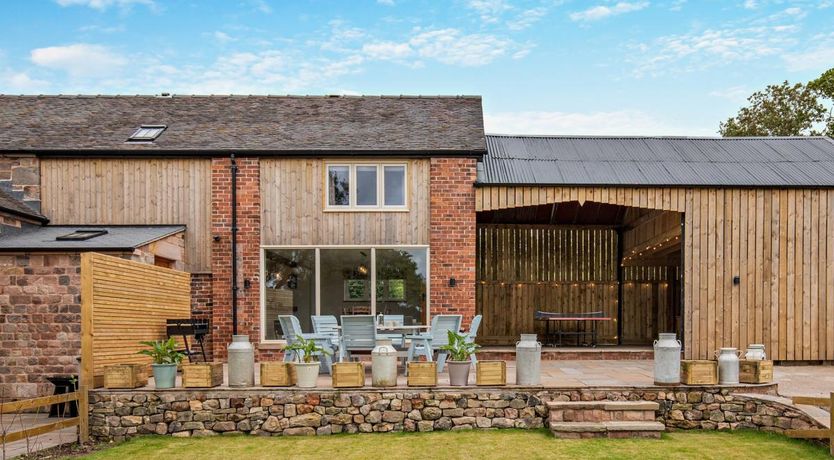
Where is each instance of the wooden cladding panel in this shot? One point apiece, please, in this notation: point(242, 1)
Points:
point(292, 211)
point(524, 268)
point(133, 191)
point(774, 240)
point(124, 302)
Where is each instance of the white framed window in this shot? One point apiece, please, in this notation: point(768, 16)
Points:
point(366, 187)
point(342, 280)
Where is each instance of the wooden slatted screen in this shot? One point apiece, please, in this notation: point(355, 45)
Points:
point(122, 303)
point(524, 268)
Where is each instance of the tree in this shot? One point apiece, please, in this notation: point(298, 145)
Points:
point(786, 110)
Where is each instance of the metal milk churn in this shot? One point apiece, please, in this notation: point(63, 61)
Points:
point(727, 366)
point(755, 352)
point(384, 364)
point(667, 359)
point(241, 362)
point(528, 360)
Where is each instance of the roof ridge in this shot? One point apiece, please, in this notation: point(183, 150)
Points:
point(288, 96)
point(696, 138)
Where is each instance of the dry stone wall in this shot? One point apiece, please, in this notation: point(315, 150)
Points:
point(117, 415)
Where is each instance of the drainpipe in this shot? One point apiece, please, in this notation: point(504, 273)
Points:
point(233, 168)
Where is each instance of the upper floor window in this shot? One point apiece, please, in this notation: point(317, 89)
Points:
point(364, 186)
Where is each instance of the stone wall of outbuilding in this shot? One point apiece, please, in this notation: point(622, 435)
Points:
point(117, 415)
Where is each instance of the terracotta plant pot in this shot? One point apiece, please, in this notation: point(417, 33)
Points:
point(307, 374)
point(458, 373)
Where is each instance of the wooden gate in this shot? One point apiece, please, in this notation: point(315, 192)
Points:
point(122, 303)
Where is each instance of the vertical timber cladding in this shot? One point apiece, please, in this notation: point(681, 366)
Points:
point(775, 240)
point(292, 192)
point(139, 191)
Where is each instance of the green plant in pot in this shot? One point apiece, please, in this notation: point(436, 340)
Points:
point(165, 359)
point(306, 365)
point(460, 350)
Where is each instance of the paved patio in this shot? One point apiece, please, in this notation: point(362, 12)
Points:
point(15, 422)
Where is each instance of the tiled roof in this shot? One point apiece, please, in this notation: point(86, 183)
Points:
point(655, 161)
point(10, 204)
point(278, 124)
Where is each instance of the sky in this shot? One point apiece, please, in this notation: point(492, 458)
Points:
point(631, 67)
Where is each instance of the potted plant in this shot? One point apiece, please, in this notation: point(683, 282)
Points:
point(165, 359)
point(460, 351)
point(306, 369)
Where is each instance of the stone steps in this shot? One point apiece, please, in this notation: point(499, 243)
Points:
point(604, 419)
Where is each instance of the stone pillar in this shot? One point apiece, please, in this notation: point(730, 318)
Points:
point(452, 236)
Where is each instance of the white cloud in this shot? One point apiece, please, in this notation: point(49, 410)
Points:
point(223, 37)
point(489, 10)
point(451, 46)
point(737, 93)
point(603, 11)
point(527, 18)
point(262, 6)
point(818, 56)
point(709, 48)
point(104, 4)
point(750, 4)
point(21, 82)
point(614, 123)
point(387, 51)
point(80, 59)
point(386, 2)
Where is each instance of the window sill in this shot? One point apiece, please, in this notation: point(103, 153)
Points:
point(368, 210)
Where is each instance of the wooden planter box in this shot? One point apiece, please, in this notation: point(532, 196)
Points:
point(491, 373)
point(422, 374)
point(699, 372)
point(126, 376)
point(277, 374)
point(348, 375)
point(202, 375)
point(755, 371)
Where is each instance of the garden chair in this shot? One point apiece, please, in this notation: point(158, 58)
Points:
point(438, 335)
point(472, 334)
point(398, 340)
point(358, 334)
point(327, 325)
point(292, 330)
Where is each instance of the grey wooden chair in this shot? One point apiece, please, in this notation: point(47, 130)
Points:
point(398, 340)
point(438, 335)
point(326, 325)
point(358, 334)
point(292, 330)
point(472, 334)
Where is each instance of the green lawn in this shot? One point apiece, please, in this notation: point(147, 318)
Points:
point(505, 444)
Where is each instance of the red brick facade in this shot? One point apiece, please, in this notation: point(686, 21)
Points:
point(248, 251)
point(452, 236)
point(201, 303)
point(40, 322)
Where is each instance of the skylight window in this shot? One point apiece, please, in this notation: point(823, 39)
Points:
point(146, 133)
point(82, 235)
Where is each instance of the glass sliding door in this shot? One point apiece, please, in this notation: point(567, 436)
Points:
point(401, 276)
point(345, 281)
point(289, 288)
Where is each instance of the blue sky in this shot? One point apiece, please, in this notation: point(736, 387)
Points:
point(662, 67)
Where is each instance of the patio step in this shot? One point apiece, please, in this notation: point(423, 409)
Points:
point(615, 429)
point(612, 419)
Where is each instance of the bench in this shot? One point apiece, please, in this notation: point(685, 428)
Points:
point(582, 331)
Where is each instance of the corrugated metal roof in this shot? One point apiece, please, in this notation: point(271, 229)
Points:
point(117, 238)
point(667, 161)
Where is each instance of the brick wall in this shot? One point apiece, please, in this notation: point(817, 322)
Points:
point(40, 321)
point(248, 240)
point(21, 176)
point(452, 236)
point(201, 304)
